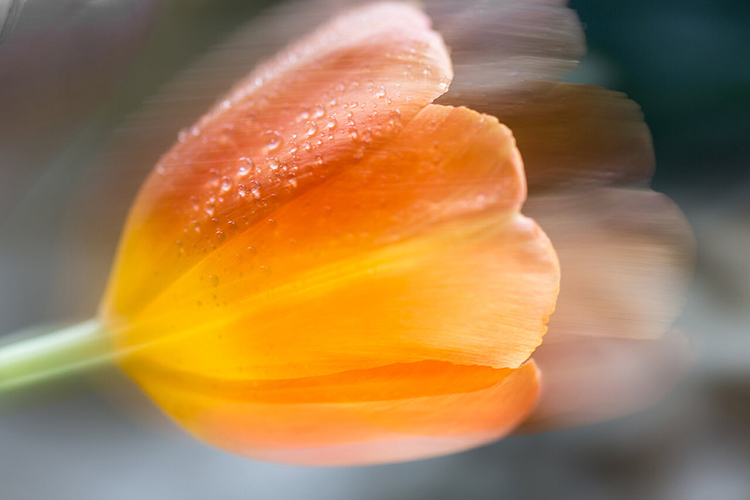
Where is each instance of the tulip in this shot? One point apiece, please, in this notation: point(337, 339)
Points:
point(329, 269)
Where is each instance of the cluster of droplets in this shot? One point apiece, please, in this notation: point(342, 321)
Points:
point(343, 111)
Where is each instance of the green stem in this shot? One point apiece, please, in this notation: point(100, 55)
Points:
point(52, 356)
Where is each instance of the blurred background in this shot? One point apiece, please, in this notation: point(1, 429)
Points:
point(72, 72)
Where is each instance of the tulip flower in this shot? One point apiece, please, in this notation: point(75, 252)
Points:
point(328, 268)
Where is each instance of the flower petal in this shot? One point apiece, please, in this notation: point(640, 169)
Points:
point(416, 253)
point(317, 426)
point(627, 258)
point(502, 48)
point(592, 379)
point(284, 129)
point(571, 134)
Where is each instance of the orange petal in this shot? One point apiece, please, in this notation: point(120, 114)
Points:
point(400, 413)
point(416, 253)
point(302, 117)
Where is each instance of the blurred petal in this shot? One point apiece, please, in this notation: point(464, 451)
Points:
point(592, 379)
point(571, 134)
point(373, 69)
point(396, 413)
point(503, 48)
point(626, 258)
point(418, 252)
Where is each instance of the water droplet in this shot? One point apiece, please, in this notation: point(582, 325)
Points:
point(182, 135)
point(245, 166)
point(331, 123)
point(214, 176)
point(210, 208)
point(318, 111)
point(214, 280)
point(381, 92)
point(273, 140)
point(273, 164)
point(220, 235)
point(310, 128)
point(255, 189)
point(304, 115)
point(251, 251)
point(242, 190)
point(226, 184)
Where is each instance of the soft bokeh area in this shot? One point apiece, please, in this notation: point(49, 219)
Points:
point(78, 77)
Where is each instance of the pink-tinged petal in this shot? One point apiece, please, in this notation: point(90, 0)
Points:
point(503, 49)
point(592, 379)
point(571, 134)
point(626, 258)
point(626, 255)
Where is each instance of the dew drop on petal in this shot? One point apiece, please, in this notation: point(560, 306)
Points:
point(245, 166)
point(273, 140)
point(310, 128)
